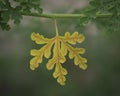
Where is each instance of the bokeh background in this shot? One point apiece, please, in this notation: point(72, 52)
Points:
point(102, 78)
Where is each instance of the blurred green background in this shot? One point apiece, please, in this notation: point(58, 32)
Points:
point(102, 78)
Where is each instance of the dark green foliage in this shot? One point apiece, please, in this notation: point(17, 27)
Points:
point(8, 11)
point(106, 5)
point(107, 23)
point(111, 23)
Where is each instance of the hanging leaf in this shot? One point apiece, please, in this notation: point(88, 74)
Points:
point(61, 46)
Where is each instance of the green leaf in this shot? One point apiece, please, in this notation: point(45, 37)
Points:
point(5, 16)
point(7, 12)
point(16, 17)
point(4, 26)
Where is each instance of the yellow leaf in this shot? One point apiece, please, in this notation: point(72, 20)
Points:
point(57, 71)
point(61, 58)
point(63, 49)
point(34, 62)
point(84, 60)
point(74, 38)
point(76, 60)
point(71, 55)
point(81, 38)
point(39, 39)
point(75, 34)
point(56, 74)
point(83, 66)
point(34, 52)
point(78, 37)
point(51, 64)
point(61, 79)
point(67, 34)
point(61, 45)
point(80, 50)
point(64, 71)
point(47, 50)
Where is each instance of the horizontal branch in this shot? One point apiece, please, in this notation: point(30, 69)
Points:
point(98, 15)
point(56, 15)
point(67, 15)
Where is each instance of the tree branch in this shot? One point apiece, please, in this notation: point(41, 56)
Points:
point(55, 15)
point(77, 16)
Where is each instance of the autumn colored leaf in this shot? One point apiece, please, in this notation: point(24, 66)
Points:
point(61, 46)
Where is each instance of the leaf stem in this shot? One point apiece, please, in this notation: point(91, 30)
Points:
point(75, 16)
point(55, 15)
point(56, 27)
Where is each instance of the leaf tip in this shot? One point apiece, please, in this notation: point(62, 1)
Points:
point(33, 35)
point(83, 66)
